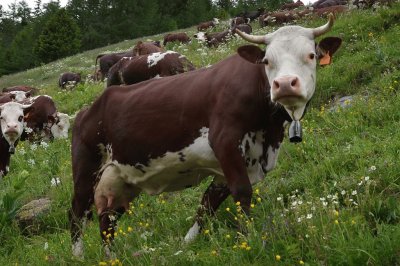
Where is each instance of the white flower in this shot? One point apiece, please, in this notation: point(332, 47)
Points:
point(279, 198)
point(44, 144)
point(294, 203)
point(366, 178)
point(354, 192)
point(313, 208)
point(33, 147)
point(299, 220)
point(372, 168)
point(31, 162)
point(324, 203)
point(361, 182)
point(322, 199)
point(46, 246)
point(309, 216)
point(178, 252)
point(55, 181)
point(300, 202)
point(343, 192)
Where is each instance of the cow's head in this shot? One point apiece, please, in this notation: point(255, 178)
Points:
point(60, 126)
point(12, 120)
point(290, 62)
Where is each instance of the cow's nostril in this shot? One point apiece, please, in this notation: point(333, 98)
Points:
point(294, 82)
point(276, 84)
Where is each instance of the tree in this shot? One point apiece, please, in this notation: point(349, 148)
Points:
point(59, 38)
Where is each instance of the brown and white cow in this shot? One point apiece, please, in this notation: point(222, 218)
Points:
point(33, 91)
point(12, 125)
point(106, 61)
point(142, 48)
point(69, 80)
point(208, 24)
point(293, 5)
point(176, 37)
point(130, 70)
point(40, 119)
point(169, 134)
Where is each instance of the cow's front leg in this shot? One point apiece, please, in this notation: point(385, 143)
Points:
point(229, 154)
point(212, 199)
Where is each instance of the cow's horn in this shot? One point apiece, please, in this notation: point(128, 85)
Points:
point(259, 39)
point(325, 28)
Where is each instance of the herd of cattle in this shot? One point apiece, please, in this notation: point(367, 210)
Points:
point(166, 132)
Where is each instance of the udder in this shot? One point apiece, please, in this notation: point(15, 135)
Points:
point(112, 192)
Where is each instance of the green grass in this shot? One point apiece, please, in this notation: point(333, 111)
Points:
point(332, 200)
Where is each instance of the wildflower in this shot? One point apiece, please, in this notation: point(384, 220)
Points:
point(336, 222)
point(33, 147)
point(354, 192)
point(228, 236)
point(343, 192)
point(309, 216)
point(44, 144)
point(46, 246)
point(353, 222)
point(279, 198)
point(370, 34)
point(238, 203)
point(336, 213)
point(252, 205)
point(206, 232)
point(55, 181)
point(299, 220)
point(31, 162)
point(178, 252)
point(277, 257)
point(214, 253)
point(248, 248)
point(102, 263)
point(130, 229)
point(366, 178)
point(228, 209)
point(258, 199)
point(301, 262)
point(372, 168)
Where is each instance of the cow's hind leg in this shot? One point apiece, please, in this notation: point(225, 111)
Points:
point(215, 194)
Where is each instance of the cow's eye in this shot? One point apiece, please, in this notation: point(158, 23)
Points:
point(1, 118)
point(265, 61)
point(20, 118)
point(311, 56)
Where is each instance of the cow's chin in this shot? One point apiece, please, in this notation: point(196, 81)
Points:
point(295, 112)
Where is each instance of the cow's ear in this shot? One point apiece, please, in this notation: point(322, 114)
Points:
point(27, 110)
point(251, 53)
point(326, 48)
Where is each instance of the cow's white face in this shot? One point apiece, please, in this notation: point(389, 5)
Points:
point(290, 65)
point(12, 121)
point(19, 95)
point(290, 62)
point(60, 129)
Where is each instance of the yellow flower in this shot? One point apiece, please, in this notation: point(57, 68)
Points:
point(278, 258)
point(214, 253)
point(206, 232)
point(370, 34)
point(336, 222)
point(301, 262)
point(248, 248)
point(228, 236)
point(227, 209)
point(102, 263)
point(238, 203)
point(336, 213)
point(130, 229)
point(141, 205)
point(257, 191)
point(353, 222)
point(259, 199)
point(252, 205)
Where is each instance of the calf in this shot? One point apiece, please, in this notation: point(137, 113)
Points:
point(69, 80)
point(281, 17)
point(176, 37)
point(60, 125)
point(12, 123)
point(227, 120)
point(215, 38)
point(142, 48)
point(130, 70)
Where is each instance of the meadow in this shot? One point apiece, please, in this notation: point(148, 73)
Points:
point(331, 200)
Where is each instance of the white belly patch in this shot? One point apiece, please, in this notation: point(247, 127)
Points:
point(188, 167)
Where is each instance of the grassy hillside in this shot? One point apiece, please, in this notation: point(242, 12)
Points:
point(332, 200)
